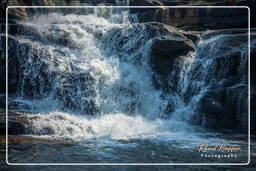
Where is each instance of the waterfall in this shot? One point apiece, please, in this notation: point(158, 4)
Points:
point(89, 75)
point(218, 67)
point(97, 65)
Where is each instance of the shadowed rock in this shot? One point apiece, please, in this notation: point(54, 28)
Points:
point(16, 123)
point(164, 53)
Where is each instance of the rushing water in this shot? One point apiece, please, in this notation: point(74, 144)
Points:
point(92, 84)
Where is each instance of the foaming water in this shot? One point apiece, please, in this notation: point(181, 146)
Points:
point(93, 69)
point(90, 94)
point(97, 64)
point(112, 126)
point(97, 76)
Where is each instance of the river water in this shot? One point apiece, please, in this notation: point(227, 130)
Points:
point(95, 100)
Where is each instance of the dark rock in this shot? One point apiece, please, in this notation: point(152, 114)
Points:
point(164, 53)
point(237, 105)
point(16, 123)
point(253, 110)
point(151, 30)
point(229, 64)
point(2, 65)
point(253, 86)
point(15, 128)
point(224, 108)
point(195, 18)
point(212, 111)
point(2, 101)
point(207, 18)
point(186, 18)
point(218, 92)
point(145, 11)
point(195, 37)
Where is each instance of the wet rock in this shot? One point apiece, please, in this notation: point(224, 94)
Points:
point(186, 18)
point(212, 111)
point(219, 92)
point(75, 92)
point(16, 123)
point(227, 65)
point(29, 75)
point(203, 18)
point(2, 66)
point(161, 34)
point(12, 62)
point(196, 18)
point(253, 110)
point(237, 105)
point(2, 101)
point(195, 37)
point(164, 53)
point(223, 108)
point(253, 88)
point(19, 51)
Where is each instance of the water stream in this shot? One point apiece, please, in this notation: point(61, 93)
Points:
point(88, 79)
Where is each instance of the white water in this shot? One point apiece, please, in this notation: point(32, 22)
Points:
point(111, 56)
point(96, 67)
point(118, 85)
point(114, 126)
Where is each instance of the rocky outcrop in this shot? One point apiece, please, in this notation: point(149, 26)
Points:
point(19, 50)
point(16, 123)
point(197, 18)
point(221, 106)
point(26, 59)
point(223, 103)
point(185, 18)
point(215, 84)
point(164, 52)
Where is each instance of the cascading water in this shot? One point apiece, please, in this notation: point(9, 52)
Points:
point(95, 64)
point(219, 61)
point(88, 77)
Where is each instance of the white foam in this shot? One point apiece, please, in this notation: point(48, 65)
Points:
point(115, 54)
point(113, 126)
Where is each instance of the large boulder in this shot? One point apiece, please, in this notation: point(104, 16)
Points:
point(212, 111)
point(167, 48)
point(165, 52)
point(223, 108)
